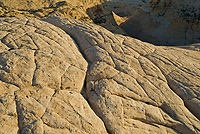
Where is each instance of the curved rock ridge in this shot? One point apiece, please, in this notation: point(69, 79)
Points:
point(166, 22)
point(42, 74)
point(136, 87)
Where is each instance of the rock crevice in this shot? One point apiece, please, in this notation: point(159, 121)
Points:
point(103, 81)
point(131, 86)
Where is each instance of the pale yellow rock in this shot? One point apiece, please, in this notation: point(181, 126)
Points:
point(42, 75)
point(75, 9)
point(181, 68)
point(38, 4)
point(131, 86)
point(119, 19)
point(69, 110)
point(8, 113)
point(195, 47)
point(43, 56)
point(128, 84)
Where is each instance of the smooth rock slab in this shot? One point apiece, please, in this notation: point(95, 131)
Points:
point(181, 69)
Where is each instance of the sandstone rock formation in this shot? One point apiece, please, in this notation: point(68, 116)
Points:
point(88, 11)
point(131, 86)
point(195, 47)
point(38, 4)
point(42, 74)
point(136, 87)
point(44, 8)
point(102, 15)
point(166, 22)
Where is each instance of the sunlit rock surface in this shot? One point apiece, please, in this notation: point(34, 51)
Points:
point(75, 9)
point(137, 87)
point(42, 74)
point(76, 77)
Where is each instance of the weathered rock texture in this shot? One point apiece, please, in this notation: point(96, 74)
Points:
point(38, 4)
point(166, 22)
point(131, 86)
point(136, 87)
point(44, 8)
point(102, 15)
point(42, 74)
point(88, 11)
point(125, 8)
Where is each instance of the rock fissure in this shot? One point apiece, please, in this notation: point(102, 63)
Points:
point(35, 61)
point(18, 118)
point(33, 42)
point(127, 90)
point(145, 49)
point(171, 87)
point(49, 103)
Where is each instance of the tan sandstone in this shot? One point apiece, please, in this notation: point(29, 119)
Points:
point(129, 86)
point(75, 9)
point(136, 87)
point(42, 74)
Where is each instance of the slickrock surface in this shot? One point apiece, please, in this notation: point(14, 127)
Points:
point(136, 87)
point(166, 22)
point(130, 86)
point(42, 74)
